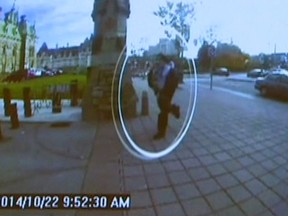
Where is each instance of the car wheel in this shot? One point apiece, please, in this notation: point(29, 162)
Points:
point(263, 91)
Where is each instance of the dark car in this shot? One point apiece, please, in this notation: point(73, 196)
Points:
point(222, 71)
point(255, 73)
point(274, 84)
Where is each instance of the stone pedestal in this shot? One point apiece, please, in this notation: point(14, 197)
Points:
point(109, 40)
point(97, 101)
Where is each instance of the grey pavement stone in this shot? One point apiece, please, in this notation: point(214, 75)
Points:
point(140, 199)
point(200, 152)
point(255, 186)
point(219, 200)
point(235, 153)
point(280, 209)
point(157, 180)
point(269, 198)
point(259, 146)
point(227, 180)
point(258, 156)
point(232, 165)
point(239, 193)
point(270, 180)
point(266, 213)
point(163, 196)
point(135, 183)
point(186, 191)
point(190, 163)
point(170, 210)
point(184, 154)
point(207, 160)
point(216, 169)
point(208, 186)
point(281, 173)
point(248, 149)
point(280, 160)
point(257, 170)
point(282, 190)
point(214, 149)
point(246, 161)
point(130, 160)
point(179, 177)
point(142, 212)
point(171, 166)
point(243, 175)
point(269, 165)
point(269, 153)
point(196, 207)
point(252, 206)
point(153, 168)
point(198, 173)
point(222, 156)
point(235, 211)
point(168, 158)
point(136, 170)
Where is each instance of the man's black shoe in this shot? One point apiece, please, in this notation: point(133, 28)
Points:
point(158, 136)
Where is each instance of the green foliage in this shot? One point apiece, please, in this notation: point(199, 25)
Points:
point(203, 56)
point(226, 55)
point(38, 84)
point(179, 17)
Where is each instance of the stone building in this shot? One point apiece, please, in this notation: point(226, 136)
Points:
point(165, 46)
point(65, 57)
point(17, 42)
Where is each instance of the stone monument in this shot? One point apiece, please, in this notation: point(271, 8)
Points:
point(109, 39)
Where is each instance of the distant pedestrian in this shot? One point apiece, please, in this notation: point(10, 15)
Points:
point(163, 79)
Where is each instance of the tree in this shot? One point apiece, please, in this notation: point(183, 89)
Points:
point(231, 57)
point(204, 57)
point(178, 16)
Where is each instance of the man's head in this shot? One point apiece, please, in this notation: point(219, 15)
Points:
point(163, 58)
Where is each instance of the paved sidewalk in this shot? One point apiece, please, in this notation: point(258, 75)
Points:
point(233, 160)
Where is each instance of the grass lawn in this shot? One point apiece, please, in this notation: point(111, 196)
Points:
point(39, 86)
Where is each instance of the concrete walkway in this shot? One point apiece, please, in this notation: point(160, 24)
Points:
point(232, 161)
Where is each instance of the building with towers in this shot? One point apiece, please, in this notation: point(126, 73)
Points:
point(17, 42)
point(69, 58)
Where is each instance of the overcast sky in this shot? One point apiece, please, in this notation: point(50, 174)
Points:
point(255, 26)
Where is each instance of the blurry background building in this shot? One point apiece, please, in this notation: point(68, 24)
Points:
point(17, 42)
point(165, 46)
point(69, 58)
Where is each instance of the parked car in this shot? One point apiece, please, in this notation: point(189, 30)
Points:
point(274, 84)
point(222, 71)
point(257, 72)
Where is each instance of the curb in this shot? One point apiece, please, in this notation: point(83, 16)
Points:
point(240, 80)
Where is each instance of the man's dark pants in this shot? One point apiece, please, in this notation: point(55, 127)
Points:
point(164, 102)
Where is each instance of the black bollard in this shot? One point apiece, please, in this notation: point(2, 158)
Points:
point(56, 103)
point(27, 102)
point(14, 116)
point(7, 101)
point(145, 105)
point(74, 93)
